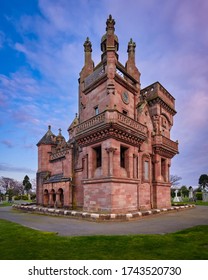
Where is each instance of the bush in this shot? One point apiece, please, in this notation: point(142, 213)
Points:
point(33, 196)
point(21, 197)
point(198, 195)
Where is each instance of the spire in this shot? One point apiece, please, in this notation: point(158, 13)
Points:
point(109, 41)
point(131, 49)
point(88, 62)
point(130, 64)
point(87, 45)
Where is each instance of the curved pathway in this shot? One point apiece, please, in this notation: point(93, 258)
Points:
point(156, 224)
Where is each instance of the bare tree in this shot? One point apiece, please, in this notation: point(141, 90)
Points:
point(10, 185)
point(175, 180)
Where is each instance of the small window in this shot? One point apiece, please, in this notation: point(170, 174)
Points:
point(98, 151)
point(163, 168)
point(96, 110)
point(123, 156)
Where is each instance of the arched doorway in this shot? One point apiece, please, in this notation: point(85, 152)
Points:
point(45, 197)
point(60, 198)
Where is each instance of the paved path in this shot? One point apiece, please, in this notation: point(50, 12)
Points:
point(156, 224)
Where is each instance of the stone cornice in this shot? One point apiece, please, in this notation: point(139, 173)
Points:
point(110, 130)
point(158, 100)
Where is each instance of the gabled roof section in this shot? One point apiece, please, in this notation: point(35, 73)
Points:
point(48, 138)
point(74, 123)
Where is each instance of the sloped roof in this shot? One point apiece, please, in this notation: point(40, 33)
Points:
point(48, 138)
point(57, 178)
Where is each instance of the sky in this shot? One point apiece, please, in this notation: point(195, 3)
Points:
point(41, 56)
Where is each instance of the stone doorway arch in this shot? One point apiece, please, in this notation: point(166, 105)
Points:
point(45, 197)
point(60, 197)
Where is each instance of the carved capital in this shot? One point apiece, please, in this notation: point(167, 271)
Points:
point(110, 150)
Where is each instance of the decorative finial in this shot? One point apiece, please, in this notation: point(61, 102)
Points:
point(87, 45)
point(59, 131)
point(131, 46)
point(49, 127)
point(110, 23)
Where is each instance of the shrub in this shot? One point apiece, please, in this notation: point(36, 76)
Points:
point(198, 195)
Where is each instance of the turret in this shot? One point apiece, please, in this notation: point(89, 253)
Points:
point(109, 42)
point(44, 148)
point(130, 64)
point(88, 62)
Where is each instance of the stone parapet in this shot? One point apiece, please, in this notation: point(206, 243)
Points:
point(111, 116)
point(165, 144)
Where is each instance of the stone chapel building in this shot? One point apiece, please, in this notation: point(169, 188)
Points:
point(119, 152)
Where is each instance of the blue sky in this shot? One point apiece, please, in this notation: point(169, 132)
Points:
point(41, 55)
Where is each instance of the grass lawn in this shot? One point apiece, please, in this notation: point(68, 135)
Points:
point(198, 202)
point(22, 243)
point(3, 204)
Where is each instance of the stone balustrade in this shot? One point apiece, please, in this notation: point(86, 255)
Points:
point(111, 116)
point(164, 141)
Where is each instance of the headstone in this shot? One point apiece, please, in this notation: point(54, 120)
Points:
point(176, 198)
point(191, 194)
point(204, 196)
point(7, 197)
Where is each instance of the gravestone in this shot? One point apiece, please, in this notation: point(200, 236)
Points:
point(176, 198)
point(204, 196)
point(191, 194)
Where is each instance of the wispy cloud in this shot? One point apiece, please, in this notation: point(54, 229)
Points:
point(171, 39)
point(10, 168)
point(7, 143)
point(2, 39)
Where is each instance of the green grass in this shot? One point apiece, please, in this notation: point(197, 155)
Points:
point(198, 202)
point(4, 204)
point(22, 243)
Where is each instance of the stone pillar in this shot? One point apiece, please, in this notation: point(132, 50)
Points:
point(58, 200)
point(85, 165)
point(110, 152)
point(135, 166)
point(91, 165)
point(51, 202)
point(157, 163)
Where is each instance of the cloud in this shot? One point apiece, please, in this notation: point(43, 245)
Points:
point(171, 39)
point(7, 143)
point(10, 168)
point(2, 39)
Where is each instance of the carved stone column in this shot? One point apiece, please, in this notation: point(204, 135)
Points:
point(110, 152)
point(135, 166)
point(85, 166)
point(58, 200)
point(157, 168)
point(51, 201)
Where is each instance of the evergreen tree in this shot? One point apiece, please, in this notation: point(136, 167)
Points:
point(203, 181)
point(27, 185)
